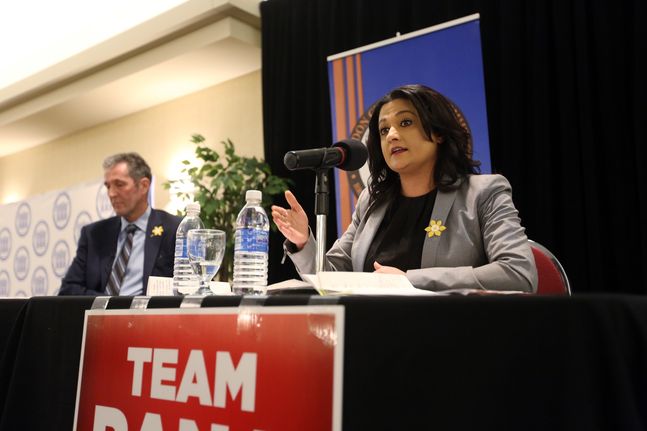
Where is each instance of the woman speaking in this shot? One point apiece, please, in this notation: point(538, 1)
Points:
point(427, 212)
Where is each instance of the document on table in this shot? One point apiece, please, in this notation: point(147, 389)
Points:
point(291, 285)
point(363, 283)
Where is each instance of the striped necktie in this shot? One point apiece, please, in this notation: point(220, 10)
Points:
point(119, 268)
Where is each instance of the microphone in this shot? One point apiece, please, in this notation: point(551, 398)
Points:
point(349, 155)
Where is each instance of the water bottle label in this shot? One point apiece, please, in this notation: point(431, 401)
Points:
point(180, 248)
point(252, 240)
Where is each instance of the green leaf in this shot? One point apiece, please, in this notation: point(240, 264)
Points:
point(220, 184)
point(197, 138)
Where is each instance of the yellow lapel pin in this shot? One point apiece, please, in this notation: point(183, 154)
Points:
point(435, 228)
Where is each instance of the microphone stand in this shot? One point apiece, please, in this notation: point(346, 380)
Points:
point(321, 210)
point(321, 160)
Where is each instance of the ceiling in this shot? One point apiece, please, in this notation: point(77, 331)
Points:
point(196, 45)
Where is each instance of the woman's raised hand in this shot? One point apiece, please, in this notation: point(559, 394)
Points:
point(293, 222)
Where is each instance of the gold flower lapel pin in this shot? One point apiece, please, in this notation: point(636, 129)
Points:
point(157, 231)
point(435, 228)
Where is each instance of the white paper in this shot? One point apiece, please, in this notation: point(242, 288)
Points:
point(289, 284)
point(220, 288)
point(471, 292)
point(159, 286)
point(363, 283)
point(163, 286)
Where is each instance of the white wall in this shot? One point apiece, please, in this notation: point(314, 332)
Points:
point(160, 134)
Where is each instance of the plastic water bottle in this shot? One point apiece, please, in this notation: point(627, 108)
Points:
point(185, 281)
point(251, 247)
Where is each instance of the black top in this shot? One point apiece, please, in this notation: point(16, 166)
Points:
point(401, 236)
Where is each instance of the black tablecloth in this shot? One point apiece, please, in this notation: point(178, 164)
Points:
point(499, 363)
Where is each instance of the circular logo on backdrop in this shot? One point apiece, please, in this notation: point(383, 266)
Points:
point(40, 238)
point(21, 263)
point(4, 283)
point(39, 282)
point(20, 294)
point(82, 219)
point(5, 243)
point(62, 210)
point(60, 258)
point(104, 207)
point(357, 180)
point(23, 219)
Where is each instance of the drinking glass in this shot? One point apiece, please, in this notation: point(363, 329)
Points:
point(206, 248)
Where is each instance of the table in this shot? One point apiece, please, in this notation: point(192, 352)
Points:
point(502, 362)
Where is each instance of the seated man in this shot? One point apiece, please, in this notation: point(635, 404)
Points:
point(116, 256)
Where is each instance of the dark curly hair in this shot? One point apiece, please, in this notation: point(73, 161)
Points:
point(438, 115)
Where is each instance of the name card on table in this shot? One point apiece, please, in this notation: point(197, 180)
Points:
point(163, 286)
point(159, 286)
point(213, 369)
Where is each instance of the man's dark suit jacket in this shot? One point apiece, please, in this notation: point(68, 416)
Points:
point(88, 274)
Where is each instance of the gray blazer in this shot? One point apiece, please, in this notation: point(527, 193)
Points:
point(483, 246)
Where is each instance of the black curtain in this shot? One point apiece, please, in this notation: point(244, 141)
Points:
point(565, 87)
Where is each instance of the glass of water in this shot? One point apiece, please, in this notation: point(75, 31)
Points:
point(206, 248)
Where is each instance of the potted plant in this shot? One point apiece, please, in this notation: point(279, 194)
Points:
point(220, 184)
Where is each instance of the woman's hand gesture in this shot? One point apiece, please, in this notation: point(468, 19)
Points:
point(293, 222)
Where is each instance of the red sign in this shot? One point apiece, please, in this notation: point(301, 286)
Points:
point(211, 369)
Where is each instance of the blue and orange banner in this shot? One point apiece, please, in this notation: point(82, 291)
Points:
point(446, 57)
